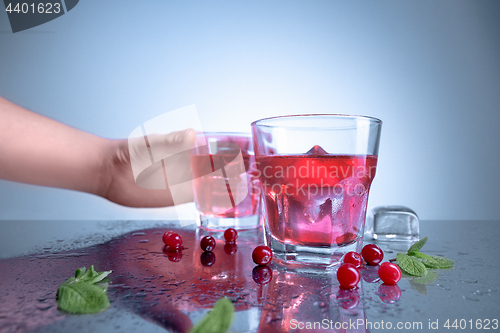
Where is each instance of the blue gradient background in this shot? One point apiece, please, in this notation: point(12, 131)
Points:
point(429, 69)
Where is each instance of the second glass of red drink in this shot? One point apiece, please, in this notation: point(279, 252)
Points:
point(226, 186)
point(316, 172)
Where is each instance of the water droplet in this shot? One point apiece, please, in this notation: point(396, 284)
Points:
point(43, 307)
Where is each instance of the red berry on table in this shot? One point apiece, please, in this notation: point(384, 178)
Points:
point(353, 258)
point(166, 235)
point(389, 273)
point(207, 258)
point(230, 235)
point(262, 255)
point(348, 276)
point(372, 254)
point(262, 274)
point(174, 241)
point(207, 243)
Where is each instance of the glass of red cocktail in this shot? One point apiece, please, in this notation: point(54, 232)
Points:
point(315, 172)
point(226, 186)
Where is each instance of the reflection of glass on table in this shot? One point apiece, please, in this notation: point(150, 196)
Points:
point(297, 301)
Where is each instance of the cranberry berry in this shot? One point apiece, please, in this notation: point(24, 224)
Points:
point(372, 254)
point(166, 235)
point(207, 243)
point(389, 273)
point(348, 276)
point(353, 258)
point(173, 241)
point(230, 235)
point(262, 255)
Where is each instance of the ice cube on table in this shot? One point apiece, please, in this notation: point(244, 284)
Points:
point(316, 150)
point(392, 223)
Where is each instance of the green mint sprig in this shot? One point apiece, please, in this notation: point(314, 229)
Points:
point(411, 265)
point(218, 320)
point(438, 262)
point(85, 292)
point(417, 246)
point(416, 263)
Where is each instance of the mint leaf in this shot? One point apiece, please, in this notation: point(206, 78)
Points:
point(87, 276)
point(84, 293)
point(82, 298)
point(91, 276)
point(438, 262)
point(410, 265)
point(218, 320)
point(423, 256)
point(80, 272)
point(429, 263)
point(417, 246)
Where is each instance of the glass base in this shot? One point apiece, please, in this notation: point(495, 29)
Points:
point(222, 223)
point(289, 254)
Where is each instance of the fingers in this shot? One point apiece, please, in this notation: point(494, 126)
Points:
point(151, 149)
point(162, 162)
point(163, 146)
point(187, 137)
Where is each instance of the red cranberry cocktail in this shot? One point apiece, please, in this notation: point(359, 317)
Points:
point(315, 172)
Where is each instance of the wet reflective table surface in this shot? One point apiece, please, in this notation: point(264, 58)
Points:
point(157, 291)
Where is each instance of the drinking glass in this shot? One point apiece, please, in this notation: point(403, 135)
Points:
point(226, 187)
point(315, 172)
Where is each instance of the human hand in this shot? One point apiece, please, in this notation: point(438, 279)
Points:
point(120, 184)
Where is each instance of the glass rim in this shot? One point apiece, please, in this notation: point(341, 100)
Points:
point(332, 115)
